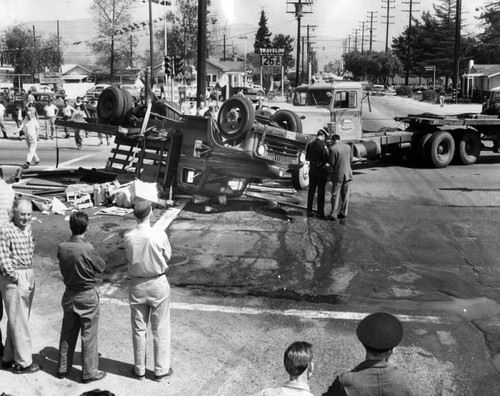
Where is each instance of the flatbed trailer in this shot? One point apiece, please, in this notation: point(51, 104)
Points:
point(437, 140)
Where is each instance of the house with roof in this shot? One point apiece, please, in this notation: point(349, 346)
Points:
point(479, 80)
point(73, 73)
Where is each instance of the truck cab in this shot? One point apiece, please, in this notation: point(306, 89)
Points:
point(336, 106)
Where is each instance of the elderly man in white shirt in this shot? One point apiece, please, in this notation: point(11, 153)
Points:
point(31, 127)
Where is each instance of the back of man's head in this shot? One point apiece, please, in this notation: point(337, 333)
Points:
point(298, 357)
point(380, 332)
point(336, 138)
point(142, 209)
point(78, 223)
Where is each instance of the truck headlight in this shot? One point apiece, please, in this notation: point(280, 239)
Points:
point(302, 158)
point(261, 150)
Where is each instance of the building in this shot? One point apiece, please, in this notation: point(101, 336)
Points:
point(479, 80)
point(73, 73)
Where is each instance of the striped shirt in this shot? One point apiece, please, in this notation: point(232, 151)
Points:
point(16, 250)
point(6, 201)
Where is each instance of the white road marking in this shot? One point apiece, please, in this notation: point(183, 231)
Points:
point(63, 164)
point(306, 314)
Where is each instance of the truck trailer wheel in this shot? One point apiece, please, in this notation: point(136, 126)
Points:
point(236, 117)
point(288, 120)
point(441, 149)
point(300, 178)
point(419, 144)
point(468, 148)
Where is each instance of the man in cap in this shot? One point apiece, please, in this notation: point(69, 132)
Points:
point(51, 111)
point(317, 155)
point(379, 333)
point(148, 251)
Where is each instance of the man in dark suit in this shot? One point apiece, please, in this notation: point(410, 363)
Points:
point(317, 155)
point(340, 157)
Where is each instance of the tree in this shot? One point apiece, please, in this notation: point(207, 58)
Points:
point(182, 38)
point(28, 56)
point(286, 42)
point(377, 67)
point(263, 35)
point(488, 47)
point(112, 47)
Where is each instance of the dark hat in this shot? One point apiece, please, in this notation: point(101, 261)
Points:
point(381, 331)
point(142, 209)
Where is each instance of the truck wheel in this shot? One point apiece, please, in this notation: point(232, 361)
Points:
point(419, 145)
point(236, 118)
point(468, 148)
point(288, 120)
point(113, 105)
point(441, 149)
point(300, 178)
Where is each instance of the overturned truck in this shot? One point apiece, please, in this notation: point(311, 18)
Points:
point(192, 154)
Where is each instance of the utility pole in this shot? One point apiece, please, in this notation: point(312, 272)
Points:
point(408, 53)
point(201, 81)
point(35, 58)
point(456, 63)
point(309, 65)
point(371, 28)
point(388, 21)
point(299, 11)
point(362, 37)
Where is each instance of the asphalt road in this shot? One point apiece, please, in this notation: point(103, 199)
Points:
point(251, 277)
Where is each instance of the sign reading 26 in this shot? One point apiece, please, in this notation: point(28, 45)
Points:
point(271, 60)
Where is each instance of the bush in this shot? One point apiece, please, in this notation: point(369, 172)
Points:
point(429, 95)
point(404, 90)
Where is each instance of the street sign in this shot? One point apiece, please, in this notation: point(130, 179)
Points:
point(270, 60)
point(50, 78)
point(271, 51)
point(429, 68)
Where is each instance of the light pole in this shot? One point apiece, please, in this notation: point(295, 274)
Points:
point(245, 75)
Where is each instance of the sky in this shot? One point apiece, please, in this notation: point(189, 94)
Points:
point(330, 21)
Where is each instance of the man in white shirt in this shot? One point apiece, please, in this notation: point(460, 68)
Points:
point(51, 112)
point(67, 112)
point(2, 112)
point(31, 127)
point(148, 251)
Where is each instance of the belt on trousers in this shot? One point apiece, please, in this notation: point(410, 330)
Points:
point(148, 277)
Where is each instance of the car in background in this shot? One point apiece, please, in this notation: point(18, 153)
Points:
point(377, 90)
point(134, 90)
point(251, 93)
point(95, 92)
point(41, 100)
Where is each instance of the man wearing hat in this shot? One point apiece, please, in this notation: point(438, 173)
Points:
point(317, 155)
point(379, 333)
point(148, 251)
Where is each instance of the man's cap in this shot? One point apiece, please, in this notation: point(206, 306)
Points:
point(323, 132)
point(142, 209)
point(380, 330)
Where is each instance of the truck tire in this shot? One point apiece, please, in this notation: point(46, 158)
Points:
point(236, 117)
point(441, 149)
point(113, 105)
point(288, 120)
point(468, 148)
point(300, 178)
point(419, 148)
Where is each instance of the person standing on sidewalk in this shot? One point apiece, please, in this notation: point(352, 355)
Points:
point(2, 126)
point(6, 200)
point(51, 112)
point(79, 109)
point(79, 264)
point(317, 155)
point(17, 285)
point(31, 127)
point(148, 251)
point(340, 157)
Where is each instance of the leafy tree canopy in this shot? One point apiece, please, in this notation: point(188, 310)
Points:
point(263, 35)
point(377, 67)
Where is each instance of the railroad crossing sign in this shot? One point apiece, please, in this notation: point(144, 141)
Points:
point(271, 56)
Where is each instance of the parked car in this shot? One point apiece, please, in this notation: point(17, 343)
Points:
point(41, 99)
point(251, 93)
point(378, 90)
point(134, 90)
point(95, 92)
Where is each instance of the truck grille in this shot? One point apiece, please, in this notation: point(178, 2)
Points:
point(280, 151)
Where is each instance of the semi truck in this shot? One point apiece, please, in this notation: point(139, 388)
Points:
point(432, 140)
